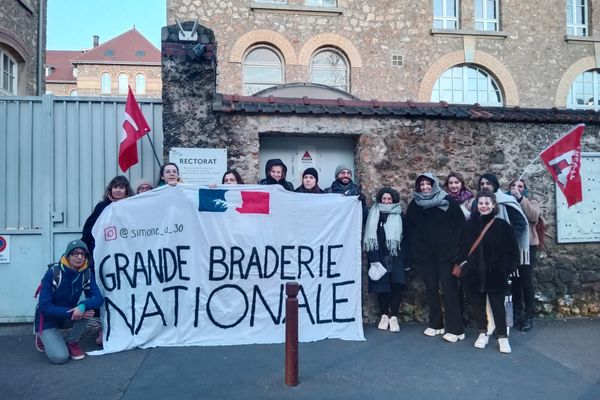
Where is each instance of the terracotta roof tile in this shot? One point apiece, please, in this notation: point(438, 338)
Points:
point(60, 62)
point(130, 47)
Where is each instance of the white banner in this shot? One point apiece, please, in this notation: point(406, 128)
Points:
point(189, 265)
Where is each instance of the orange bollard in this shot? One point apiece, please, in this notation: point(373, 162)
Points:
point(291, 334)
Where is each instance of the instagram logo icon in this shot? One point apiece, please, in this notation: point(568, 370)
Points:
point(110, 233)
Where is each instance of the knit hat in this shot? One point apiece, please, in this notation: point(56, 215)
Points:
point(492, 179)
point(75, 244)
point(340, 168)
point(311, 171)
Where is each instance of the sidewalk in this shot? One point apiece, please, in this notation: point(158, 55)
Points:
point(556, 360)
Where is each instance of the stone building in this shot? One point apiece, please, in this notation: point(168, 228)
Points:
point(106, 69)
point(539, 53)
point(22, 44)
point(391, 142)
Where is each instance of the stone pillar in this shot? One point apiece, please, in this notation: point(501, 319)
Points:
point(189, 77)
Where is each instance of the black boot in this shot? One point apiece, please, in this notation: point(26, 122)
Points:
point(527, 325)
point(519, 319)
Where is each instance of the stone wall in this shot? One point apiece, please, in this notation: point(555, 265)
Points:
point(389, 151)
point(19, 36)
point(530, 58)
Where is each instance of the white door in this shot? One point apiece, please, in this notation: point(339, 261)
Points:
point(299, 153)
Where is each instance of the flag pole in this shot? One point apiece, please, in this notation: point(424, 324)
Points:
point(153, 150)
point(528, 165)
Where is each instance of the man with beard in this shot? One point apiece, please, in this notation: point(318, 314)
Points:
point(343, 184)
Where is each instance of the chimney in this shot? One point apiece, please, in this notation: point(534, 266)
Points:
point(96, 39)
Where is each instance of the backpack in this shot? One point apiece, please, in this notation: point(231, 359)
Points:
point(57, 278)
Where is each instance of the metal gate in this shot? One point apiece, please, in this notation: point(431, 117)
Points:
point(56, 156)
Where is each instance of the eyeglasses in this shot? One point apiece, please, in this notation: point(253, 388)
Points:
point(78, 253)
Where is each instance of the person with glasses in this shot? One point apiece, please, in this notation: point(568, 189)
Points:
point(60, 305)
point(143, 186)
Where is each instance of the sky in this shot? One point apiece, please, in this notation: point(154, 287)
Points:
point(73, 23)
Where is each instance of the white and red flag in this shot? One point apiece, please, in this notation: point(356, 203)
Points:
point(134, 128)
point(563, 160)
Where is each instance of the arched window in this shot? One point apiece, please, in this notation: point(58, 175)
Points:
point(140, 84)
point(123, 82)
point(585, 91)
point(73, 92)
point(263, 68)
point(8, 74)
point(467, 84)
point(106, 83)
point(330, 67)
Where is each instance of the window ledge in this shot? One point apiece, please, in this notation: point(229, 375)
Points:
point(286, 8)
point(582, 39)
point(469, 32)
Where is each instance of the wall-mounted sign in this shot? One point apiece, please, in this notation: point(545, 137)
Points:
point(581, 222)
point(4, 249)
point(199, 166)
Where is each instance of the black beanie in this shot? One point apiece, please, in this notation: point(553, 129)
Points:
point(311, 171)
point(492, 179)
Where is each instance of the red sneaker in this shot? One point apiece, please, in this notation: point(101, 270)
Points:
point(75, 351)
point(39, 345)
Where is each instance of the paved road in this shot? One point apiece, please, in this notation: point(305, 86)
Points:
point(557, 360)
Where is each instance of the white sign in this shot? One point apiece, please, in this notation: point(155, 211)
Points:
point(581, 222)
point(210, 268)
point(4, 249)
point(199, 166)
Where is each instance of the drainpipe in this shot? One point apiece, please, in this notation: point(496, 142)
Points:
point(40, 64)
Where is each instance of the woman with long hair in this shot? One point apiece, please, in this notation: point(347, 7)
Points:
point(169, 175)
point(117, 189)
point(232, 177)
point(457, 190)
point(383, 236)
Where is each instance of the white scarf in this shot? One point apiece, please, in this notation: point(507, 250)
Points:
point(504, 200)
point(392, 228)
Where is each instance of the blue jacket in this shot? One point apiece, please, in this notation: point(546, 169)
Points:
point(54, 304)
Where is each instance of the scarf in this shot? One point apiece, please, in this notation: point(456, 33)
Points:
point(505, 200)
point(435, 198)
point(461, 196)
point(392, 228)
point(347, 190)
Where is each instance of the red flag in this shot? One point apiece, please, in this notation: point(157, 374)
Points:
point(563, 160)
point(134, 128)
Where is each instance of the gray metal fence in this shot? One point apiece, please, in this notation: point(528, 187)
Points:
point(56, 156)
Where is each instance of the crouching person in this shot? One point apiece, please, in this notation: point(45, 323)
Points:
point(60, 305)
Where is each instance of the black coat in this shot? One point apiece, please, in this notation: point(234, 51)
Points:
point(497, 255)
point(86, 234)
point(432, 231)
point(270, 181)
point(394, 264)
